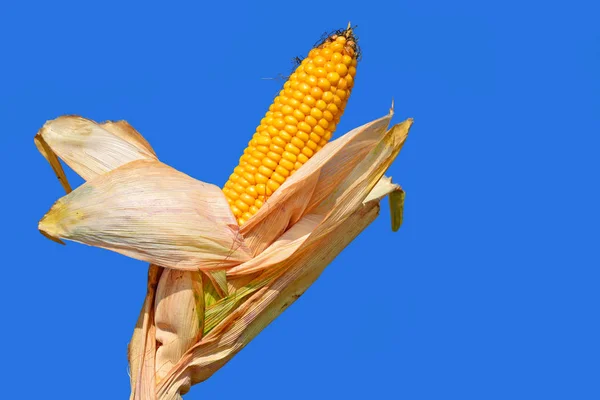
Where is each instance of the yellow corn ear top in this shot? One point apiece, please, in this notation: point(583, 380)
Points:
point(299, 123)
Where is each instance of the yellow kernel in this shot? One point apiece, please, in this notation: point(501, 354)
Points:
point(331, 128)
point(236, 211)
point(255, 161)
point(336, 58)
point(320, 72)
point(277, 178)
point(260, 178)
point(315, 137)
point(302, 158)
point(311, 80)
point(332, 108)
point(277, 145)
point(243, 182)
point(327, 115)
point(251, 191)
point(292, 149)
point(328, 97)
point(354, 62)
point(287, 164)
point(267, 162)
point(329, 66)
point(233, 195)
point(342, 84)
point(282, 171)
point(337, 46)
point(294, 85)
point(304, 87)
point(302, 75)
point(253, 209)
point(265, 171)
point(319, 148)
point(291, 129)
point(349, 80)
point(258, 203)
point(319, 130)
point(321, 105)
point(322, 143)
point(326, 53)
point(250, 168)
point(341, 69)
point(241, 205)
point(341, 39)
point(288, 156)
point(333, 78)
point(309, 101)
point(324, 84)
point(312, 145)
point(341, 94)
point(319, 61)
point(294, 103)
point(303, 126)
point(297, 142)
point(246, 198)
point(307, 151)
point(241, 221)
point(260, 189)
point(271, 130)
point(316, 92)
point(352, 71)
point(328, 134)
point(298, 95)
point(263, 140)
point(298, 115)
point(274, 156)
point(285, 136)
point(286, 110)
point(262, 149)
point(337, 101)
point(298, 165)
point(310, 68)
point(310, 120)
point(323, 122)
point(316, 113)
point(290, 120)
point(249, 177)
point(304, 108)
point(347, 60)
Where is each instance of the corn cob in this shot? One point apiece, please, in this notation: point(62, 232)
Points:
point(299, 123)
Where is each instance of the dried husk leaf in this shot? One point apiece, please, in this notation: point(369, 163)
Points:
point(311, 184)
point(346, 215)
point(152, 212)
point(142, 348)
point(89, 148)
point(178, 316)
point(243, 324)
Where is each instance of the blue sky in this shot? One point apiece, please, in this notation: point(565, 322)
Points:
point(488, 291)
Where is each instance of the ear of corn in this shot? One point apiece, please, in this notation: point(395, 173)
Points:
point(299, 123)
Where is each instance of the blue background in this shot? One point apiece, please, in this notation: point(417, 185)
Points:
point(488, 291)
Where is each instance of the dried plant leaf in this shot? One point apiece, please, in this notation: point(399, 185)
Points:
point(90, 149)
point(178, 315)
point(142, 348)
point(152, 212)
point(281, 249)
point(396, 199)
point(242, 325)
point(311, 184)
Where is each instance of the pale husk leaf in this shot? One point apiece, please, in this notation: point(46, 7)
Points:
point(89, 148)
point(152, 212)
point(243, 324)
point(142, 348)
point(347, 214)
point(178, 316)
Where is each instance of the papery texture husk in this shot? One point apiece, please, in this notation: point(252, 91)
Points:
point(152, 212)
point(286, 268)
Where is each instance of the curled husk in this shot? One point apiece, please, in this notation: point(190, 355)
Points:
point(212, 286)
